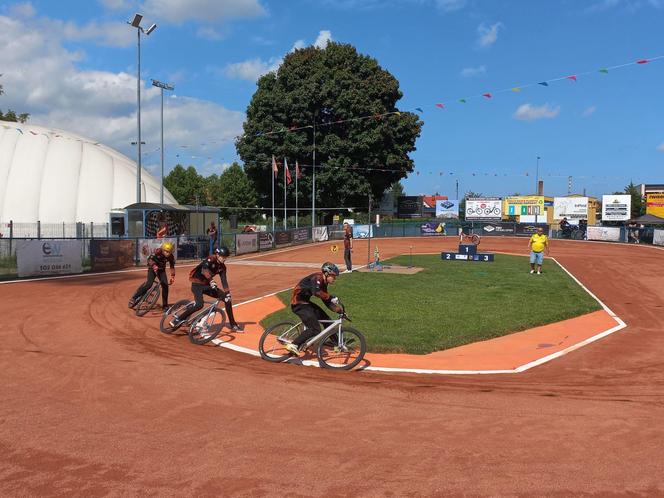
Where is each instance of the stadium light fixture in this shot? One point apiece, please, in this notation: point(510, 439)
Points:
point(162, 86)
point(136, 21)
point(151, 29)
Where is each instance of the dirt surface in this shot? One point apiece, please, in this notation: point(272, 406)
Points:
point(98, 402)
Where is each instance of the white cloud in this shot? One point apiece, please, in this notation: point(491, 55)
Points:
point(660, 147)
point(324, 37)
point(179, 11)
point(450, 5)
point(44, 81)
point(527, 112)
point(468, 72)
point(589, 111)
point(488, 34)
point(252, 69)
point(22, 10)
point(112, 34)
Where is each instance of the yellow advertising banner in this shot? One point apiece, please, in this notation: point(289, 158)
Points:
point(524, 205)
point(655, 204)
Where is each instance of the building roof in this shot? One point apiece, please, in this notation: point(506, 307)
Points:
point(429, 201)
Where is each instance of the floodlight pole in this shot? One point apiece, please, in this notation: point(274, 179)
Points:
point(162, 86)
point(313, 182)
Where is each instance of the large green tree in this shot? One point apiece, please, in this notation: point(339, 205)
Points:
point(330, 92)
point(638, 203)
point(233, 188)
point(186, 185)
point(10, 115)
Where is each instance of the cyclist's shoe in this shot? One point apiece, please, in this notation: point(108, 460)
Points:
point(175, 322)
point(235, 327)
point(165, 307)
point(132, 303)
point(292, 348)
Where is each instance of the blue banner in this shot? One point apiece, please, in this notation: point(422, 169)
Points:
point(447, 209)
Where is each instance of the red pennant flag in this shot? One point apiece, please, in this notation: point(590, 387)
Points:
point(573, 77)
point(298, 173)
point(487, 95)
point(440, 106)
point(274, 167)
point(289, 180)
point(642, 61)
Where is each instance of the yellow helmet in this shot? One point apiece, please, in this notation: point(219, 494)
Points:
point(167, 246)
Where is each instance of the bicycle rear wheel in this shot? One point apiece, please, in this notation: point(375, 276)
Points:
point(166, 319)
point(148, 301)
point(344, 352)
point(206, 326)
point(475, 239)
point(272, 344)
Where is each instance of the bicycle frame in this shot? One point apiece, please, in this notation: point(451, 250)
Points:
point(205, 312)
point(319, 336)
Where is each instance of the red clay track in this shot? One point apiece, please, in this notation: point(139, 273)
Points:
point(98, 402)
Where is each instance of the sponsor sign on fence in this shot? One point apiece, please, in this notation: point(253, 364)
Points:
point(432, 228)
point(525, 205)
point(498, 229)
point(265, 240)
point(484, 208)
point(300, 235)
point(108, 255)
point(611, 234)
point(572, 208)
point(362, 231)
point(409, 206)
point(448, 209)
point(530, 228)
point(282, 238)
point(320, 234)
point(616, 207)
point(147, 247)
point(658, 237)
point(246, 242)
point(41, 258)
point(655, 204)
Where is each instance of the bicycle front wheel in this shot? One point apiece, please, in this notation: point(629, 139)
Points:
point(207, 326)
point(272, 344)
point(475, 239)
point(341, 351)
point(176, 309)
point(148, 301)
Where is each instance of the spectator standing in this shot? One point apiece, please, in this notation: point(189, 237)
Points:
point(348, 247)
point(163, 230)
point(538, 244)
point(632, 232)
point(212, 235)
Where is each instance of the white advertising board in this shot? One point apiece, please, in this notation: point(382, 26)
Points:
point(616, 207)
point(610, 234)
point(484, 208)
point(246, 242)
point(319, 234)
point(147, 247)
point(40, 258)
point(572, 208)
point(658, 237)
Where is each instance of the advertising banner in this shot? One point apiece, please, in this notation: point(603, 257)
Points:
point(265, 240)
point(40, 258)
point(448, 209)
point(409, 206)
point(362, 231)
point(246, 243)
point(320, 234)
point(282, 238)
point(658, 237)
point(498, 229)
point(525, 205)
point(107, 255)
point(147, 247)
point(655, 204)
point(300, 235)
point(616, 207)
point(432, 229)
point(572, 208)
point(611, 234)
point(484, 208)
point(530, 228)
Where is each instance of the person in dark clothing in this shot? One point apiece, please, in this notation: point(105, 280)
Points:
point(348, 247)
point(202, 282)
point(157, 269)
point(310, 313)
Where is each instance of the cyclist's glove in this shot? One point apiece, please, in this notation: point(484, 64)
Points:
point(213, 285)
point(227, 297)
point(155, 268)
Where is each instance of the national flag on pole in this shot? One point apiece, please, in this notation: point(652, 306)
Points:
point(274, 167)
point(298, 173)
point(289, 180)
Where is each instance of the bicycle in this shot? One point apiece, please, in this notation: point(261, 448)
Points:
point(339, 347)
point(203, 326)
point(473, 238)
point(147, 301)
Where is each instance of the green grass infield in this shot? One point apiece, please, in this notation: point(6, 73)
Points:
point(452, 303)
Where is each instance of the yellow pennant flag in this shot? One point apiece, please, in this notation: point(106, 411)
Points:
point(516, 89)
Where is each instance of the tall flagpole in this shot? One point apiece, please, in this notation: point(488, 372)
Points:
point(285, 166)
point(272, 174)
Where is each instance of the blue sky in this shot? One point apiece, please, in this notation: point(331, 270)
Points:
point(72, 64)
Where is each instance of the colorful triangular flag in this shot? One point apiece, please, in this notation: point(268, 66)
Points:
point(516, 89)
point(604, 70)
point(543, 83)
point(572, 77)
point(419, 109)
point(274, 167)
point(440, 106)
point(298, 172)
point(289, 180)
point(487, 95)
point(463, 101)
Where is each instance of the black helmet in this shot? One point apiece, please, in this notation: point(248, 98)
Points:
point(222, 251)
point(330, 268)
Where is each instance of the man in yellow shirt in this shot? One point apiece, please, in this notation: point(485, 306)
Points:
point(537, 245)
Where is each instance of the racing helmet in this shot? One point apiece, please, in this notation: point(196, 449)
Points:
point(222, 251)
point(330, 268)
point(167, 246)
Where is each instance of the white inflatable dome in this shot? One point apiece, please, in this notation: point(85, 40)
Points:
point(54, 176)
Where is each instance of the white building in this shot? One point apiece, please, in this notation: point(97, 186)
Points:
point(53, 176)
